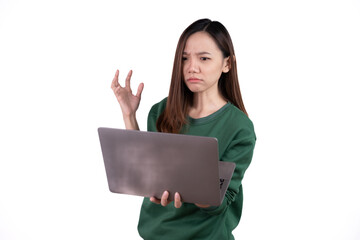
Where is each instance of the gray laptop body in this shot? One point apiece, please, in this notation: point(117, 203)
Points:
point(148, 163)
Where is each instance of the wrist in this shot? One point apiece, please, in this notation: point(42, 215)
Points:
point(130, 122)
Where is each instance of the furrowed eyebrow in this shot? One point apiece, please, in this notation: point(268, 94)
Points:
point(203, 53)
point(199, 53)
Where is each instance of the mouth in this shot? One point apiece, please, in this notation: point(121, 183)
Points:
point(193, 80)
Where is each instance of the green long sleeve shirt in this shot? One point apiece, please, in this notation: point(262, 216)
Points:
point(236, 141)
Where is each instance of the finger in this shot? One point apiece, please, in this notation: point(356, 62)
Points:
point(164, 199)
point(127, 81)
point(177, 202)
point(140, 89)
point(115, 81)
point(154, 200)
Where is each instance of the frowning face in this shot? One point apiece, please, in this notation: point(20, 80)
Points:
point(203, 63)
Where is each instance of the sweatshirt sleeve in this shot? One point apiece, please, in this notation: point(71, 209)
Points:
point(151, 122)
point(154, 113)
point(239, 151)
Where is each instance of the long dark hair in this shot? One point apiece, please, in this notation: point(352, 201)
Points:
point(180, 97)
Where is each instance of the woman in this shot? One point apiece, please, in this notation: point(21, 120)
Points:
point(204, 99)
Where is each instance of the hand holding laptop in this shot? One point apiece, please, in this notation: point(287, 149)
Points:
point(165, 167)
point(177, 200)
point(164, 201)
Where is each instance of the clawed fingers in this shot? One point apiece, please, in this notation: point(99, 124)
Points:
point(115, 81)
point(140, 89)
point(127, 81)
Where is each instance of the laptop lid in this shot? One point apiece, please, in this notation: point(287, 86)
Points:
point(148, 163)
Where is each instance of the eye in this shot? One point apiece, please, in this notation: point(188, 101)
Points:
point(184, 58)
point(204, 58)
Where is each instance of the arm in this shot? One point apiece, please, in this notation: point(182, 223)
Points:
point(240, 151)
point(129, 103)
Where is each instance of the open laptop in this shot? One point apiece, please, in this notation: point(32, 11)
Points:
point(148, 163)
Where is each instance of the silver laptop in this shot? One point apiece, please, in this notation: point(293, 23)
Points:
point(148, 163)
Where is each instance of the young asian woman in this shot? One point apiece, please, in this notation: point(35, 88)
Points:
point(205, 100)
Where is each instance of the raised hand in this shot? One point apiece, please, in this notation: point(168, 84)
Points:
point(129, 103)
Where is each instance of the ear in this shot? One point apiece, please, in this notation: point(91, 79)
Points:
point(227, 65)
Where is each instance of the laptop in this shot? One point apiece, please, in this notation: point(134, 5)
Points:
point(149, 163)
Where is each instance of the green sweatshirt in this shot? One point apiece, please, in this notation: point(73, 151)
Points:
point(236, 139)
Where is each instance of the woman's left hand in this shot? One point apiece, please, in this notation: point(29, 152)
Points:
point(164, 201)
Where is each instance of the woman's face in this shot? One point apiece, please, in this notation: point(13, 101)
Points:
point(203, 63)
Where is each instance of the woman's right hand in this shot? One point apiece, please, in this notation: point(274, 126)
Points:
point(129, 103)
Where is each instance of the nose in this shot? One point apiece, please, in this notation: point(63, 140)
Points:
point(192, 66)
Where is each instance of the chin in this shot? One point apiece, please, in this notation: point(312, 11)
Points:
point(194, 90)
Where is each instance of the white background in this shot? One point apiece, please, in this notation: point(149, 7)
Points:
point(298, 63)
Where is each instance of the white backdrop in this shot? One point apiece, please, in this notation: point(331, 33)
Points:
point(298, 64)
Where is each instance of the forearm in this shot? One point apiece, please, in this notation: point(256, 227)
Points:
point(131, 122)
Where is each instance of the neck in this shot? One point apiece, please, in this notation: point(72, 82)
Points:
point(205, 104)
